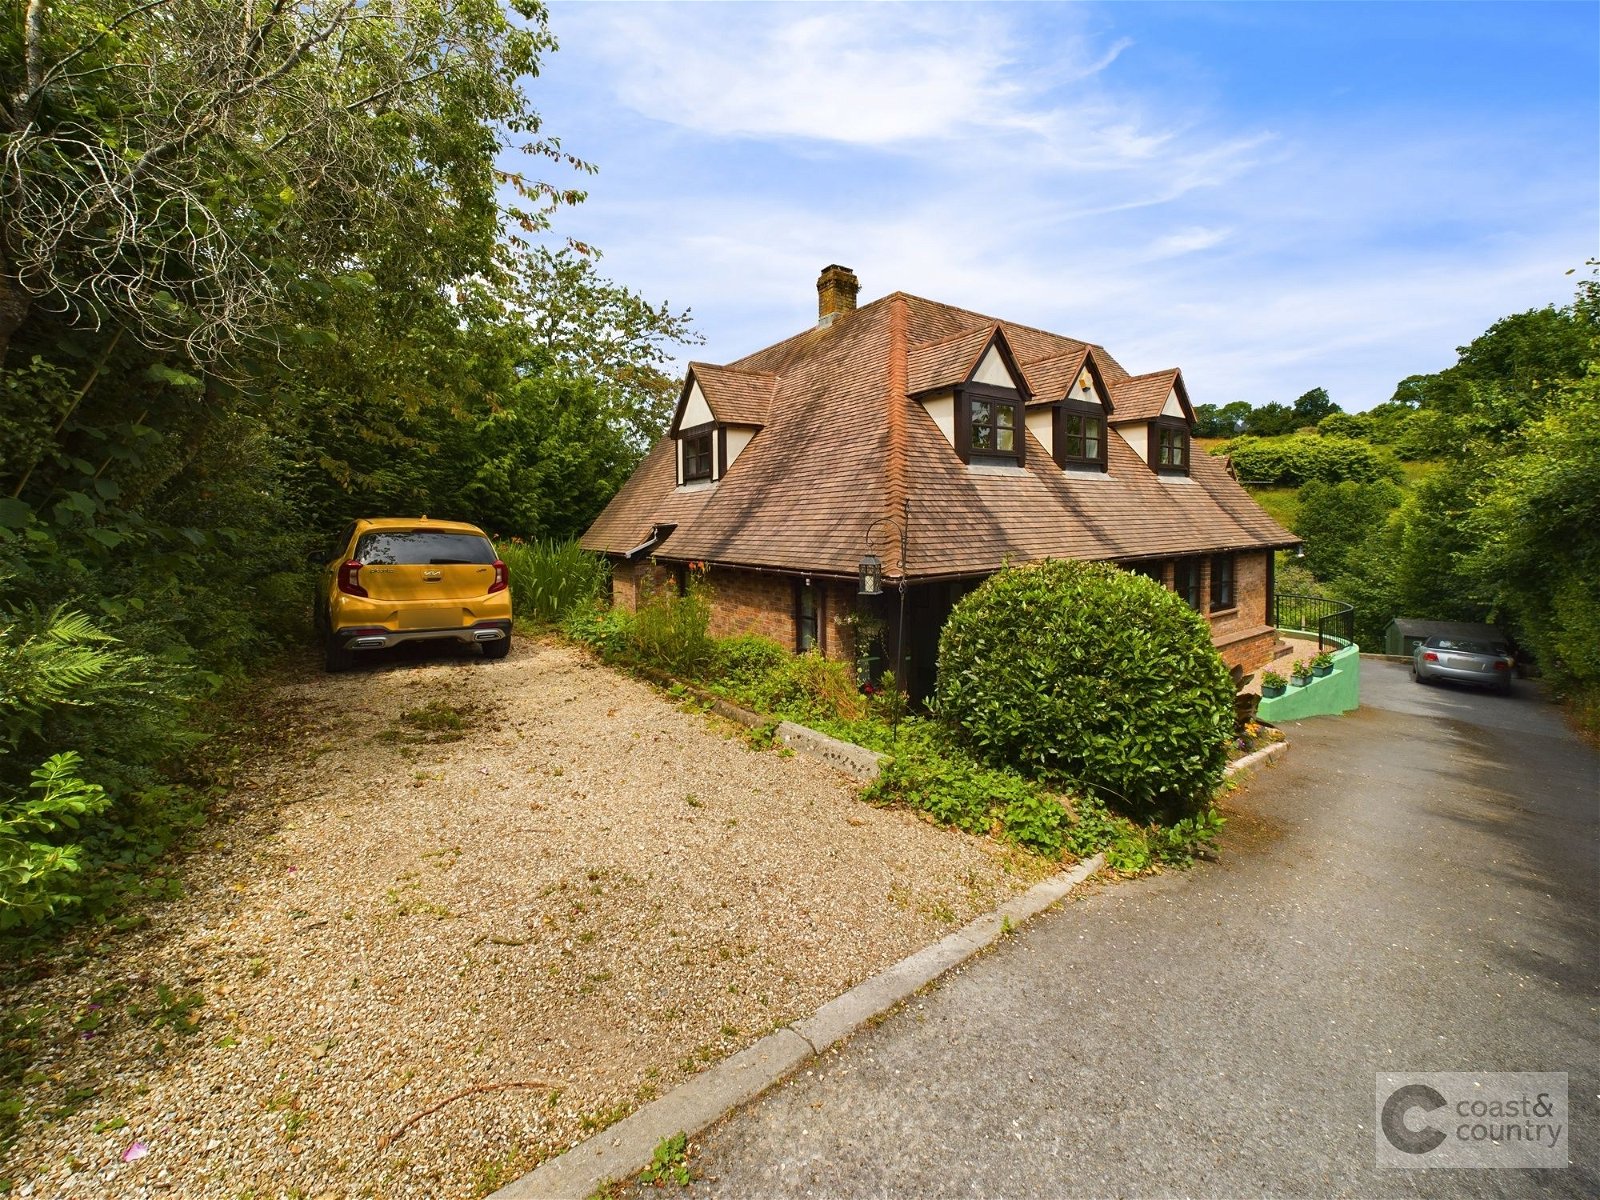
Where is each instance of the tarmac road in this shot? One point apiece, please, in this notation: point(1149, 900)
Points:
point(1415, 888)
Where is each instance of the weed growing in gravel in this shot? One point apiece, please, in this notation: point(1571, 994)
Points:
point(669, 1163)
point(172, 1010)
point(604, 1118)
point(434, 723)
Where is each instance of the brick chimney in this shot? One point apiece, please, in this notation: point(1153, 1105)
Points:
point(836, 293)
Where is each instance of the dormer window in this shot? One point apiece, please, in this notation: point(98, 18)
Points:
point(697, 456)
point(1169, 446)
point(1080, 435)
point(989, 425)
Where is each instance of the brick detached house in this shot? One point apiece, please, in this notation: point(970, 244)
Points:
point(990, 442)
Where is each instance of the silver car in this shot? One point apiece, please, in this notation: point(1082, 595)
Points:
point(1464, 660)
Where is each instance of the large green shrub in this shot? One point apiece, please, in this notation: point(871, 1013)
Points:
point(1299, 458)
point(1085, 675)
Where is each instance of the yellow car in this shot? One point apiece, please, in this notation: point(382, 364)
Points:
point(408, 579)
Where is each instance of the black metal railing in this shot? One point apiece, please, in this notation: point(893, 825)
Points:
point(1333, 621)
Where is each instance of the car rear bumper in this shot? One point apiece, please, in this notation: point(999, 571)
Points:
point(1494, 679)
point(376, 638)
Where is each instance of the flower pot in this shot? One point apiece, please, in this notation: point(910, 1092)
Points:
point(1321, 672)
point(1271, 691)
point(1300, 680)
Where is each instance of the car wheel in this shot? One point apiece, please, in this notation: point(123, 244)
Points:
point(497, 649)
point(338, 657)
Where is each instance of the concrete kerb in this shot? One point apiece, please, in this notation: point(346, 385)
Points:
point(625, 1148)
point(1251, 763)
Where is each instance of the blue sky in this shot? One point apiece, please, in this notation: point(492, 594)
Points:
point(1273, 197)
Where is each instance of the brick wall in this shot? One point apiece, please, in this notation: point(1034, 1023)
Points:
point(1238, 632)
point(762, 603)
point(629, 581)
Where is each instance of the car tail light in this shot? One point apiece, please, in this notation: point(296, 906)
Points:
point(1501, 664)
point(502, 578)
point(350, 579)
point(1430, 656)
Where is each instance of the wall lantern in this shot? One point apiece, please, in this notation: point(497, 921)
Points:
point(871, 576)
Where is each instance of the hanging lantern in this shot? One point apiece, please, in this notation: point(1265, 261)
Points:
point(871, 576)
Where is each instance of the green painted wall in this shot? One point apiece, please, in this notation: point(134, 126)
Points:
point(1328, 696)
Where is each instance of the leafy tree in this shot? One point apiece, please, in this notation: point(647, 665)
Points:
point(1343, 424)
point(583, 325)
point(1527, 357)
point(1271, 420)
point(1335, 518)
point(1311, 407)
point(1210, 421)
point(1537, 537)
point(180, 168)
point(1429, 433)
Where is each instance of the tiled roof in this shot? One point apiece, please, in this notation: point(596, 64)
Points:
point(1142, 397)
point(946, 362)
point(1052, 378)
point(736, 397)
point(804, 491)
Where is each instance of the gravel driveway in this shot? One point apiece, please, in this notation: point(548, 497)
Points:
point(587, 897)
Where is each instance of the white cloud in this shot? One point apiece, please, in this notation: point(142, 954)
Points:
point(1057, 180)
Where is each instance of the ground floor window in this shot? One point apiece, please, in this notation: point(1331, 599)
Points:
point(1222, 590)
point(1186, 581)
point(807, 623)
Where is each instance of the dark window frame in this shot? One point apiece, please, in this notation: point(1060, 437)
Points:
point(1150, 568)
point(1186, 581)
point(982, 393)
point(1088, 410)
point(1224, 582)
point(801, 620)
point(1178, 436)
point(691, 437)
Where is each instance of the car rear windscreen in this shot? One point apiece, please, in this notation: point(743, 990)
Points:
point(411, 547)
point(1466, 646)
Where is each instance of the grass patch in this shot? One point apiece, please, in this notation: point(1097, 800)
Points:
point(1282, 503)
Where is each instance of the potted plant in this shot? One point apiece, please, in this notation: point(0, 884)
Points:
point(1272, 684)
point(1322, 664)
point(1301, 672)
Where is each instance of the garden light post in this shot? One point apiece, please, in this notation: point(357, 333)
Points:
point(871, 571)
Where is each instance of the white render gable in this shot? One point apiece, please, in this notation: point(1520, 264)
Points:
point(695, 409)
point(992, 371)
point(1173, 407)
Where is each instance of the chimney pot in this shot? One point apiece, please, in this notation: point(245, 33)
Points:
point(837, 288)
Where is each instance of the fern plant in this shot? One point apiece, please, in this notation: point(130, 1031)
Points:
point(59, 663)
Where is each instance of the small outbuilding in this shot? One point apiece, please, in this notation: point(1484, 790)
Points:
point(1405, 634)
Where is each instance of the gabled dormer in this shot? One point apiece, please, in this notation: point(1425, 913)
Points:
point(972, 387)
point(719, 413)
point(1070, 408)
point(1154, 415)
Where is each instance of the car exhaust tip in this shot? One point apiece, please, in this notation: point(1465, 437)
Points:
point(488, 635)
point(369, 643)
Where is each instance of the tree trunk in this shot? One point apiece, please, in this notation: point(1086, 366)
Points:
point(15, 304)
